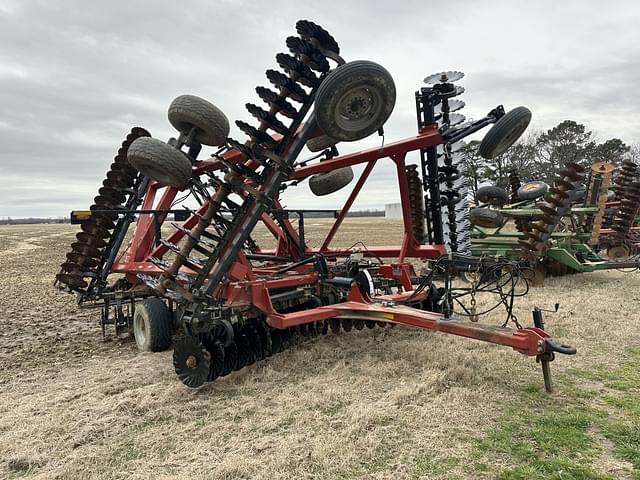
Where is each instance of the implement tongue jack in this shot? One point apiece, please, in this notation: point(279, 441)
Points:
point(548, 347)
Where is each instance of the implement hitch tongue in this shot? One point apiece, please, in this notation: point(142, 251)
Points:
point(550, 346)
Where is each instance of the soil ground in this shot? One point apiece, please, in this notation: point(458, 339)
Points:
point(376, 404)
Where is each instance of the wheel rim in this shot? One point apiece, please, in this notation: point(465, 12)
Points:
point(470, 277)
point(140, 330)
point(357, 108)
point(618, 252)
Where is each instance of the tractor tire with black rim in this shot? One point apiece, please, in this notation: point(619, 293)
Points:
point(492, 195)
point(152, 325)
point(160, 161)
point(188, 111)
point(485, 217)
point(320, 143)
point(506, 131)
point(330, 182)
point(532, 190)
point(355, 100)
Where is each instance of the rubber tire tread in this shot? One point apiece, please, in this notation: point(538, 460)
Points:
point(342, 79)
point(160, 161)
point(485, 217)
point(330, 182)
point(490, 146)
point(160, 322)
point(189, 110)
point(320, 143)
point(492, 195)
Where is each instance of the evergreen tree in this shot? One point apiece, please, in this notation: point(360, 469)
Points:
point(568, 141)
point(613, 151)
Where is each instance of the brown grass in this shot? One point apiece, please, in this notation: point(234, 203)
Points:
point(371, 404)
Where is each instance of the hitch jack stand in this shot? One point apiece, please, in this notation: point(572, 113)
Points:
point(548, 356)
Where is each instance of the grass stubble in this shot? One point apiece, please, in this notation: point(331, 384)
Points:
point(373, 404)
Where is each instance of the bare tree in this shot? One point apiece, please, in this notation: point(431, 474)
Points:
point(634, 153)
point(474, 165)
point(521, 157)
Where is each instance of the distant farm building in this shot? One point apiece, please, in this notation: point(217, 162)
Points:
point(393, 211)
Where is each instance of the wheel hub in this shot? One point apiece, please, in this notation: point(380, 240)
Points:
point(357, 104)
point(192, 361)
point(356, 108)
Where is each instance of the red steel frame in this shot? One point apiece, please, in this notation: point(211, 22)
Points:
point(248, 288)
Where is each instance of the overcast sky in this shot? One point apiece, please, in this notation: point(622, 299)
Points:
point(76, 76)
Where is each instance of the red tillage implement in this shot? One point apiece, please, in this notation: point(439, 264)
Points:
point(230, 302)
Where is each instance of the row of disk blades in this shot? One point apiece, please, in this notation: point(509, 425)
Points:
point(202, 358)
point(628, 193)
point(534, 241)
point(305, 66)
point(451, 164)
point(87, 251)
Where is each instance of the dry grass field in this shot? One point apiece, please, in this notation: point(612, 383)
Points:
point(375, 404)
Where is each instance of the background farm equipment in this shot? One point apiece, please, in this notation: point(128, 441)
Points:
point(233, 302)
point(563, 234)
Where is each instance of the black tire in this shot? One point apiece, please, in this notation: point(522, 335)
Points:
point(506, 131)
point(485, 217)
point(578, 195)
point(320, 143)
point(188, 111)
point(492, 195)
point(330, 182)
point(152, 325)
point(355, 100)
point(160, 161)
point(532, 190)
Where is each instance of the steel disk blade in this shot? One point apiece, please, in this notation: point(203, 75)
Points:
point(90, 239)
point(73, 280)
point(443, 77)
point(82, 260)
point(85, 249)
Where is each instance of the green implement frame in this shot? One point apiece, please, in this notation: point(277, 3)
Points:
point(570, 248)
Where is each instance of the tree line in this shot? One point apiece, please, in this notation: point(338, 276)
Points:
point(539, 155)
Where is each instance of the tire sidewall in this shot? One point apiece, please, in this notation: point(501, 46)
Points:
point(339, 83)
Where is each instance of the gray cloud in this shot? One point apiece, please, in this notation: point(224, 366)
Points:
point(75, 76)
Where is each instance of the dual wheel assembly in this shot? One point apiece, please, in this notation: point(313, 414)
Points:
point(198, 121)
point(497, 197)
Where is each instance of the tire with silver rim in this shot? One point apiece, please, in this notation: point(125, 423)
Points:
point(152, 325)
point(355, 100)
